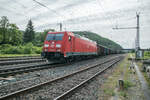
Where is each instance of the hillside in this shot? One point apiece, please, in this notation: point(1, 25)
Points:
point(100, 40)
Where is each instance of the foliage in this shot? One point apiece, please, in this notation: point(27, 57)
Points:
point(122, 93)
point(100, 40)
point(109, 91)
point(9, 33)
point(11, 38)
point(15, 36)
point(29, 33)
point(4, 24)
point(147, 53)
point(127, 84)
point(25, 49)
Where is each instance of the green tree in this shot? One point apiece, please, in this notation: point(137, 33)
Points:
point(15, 35)
point(29, 33)
point(4, 24)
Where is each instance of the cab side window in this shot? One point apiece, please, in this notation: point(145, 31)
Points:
point(69, 38)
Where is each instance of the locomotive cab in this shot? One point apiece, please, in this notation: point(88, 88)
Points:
point(53, 45)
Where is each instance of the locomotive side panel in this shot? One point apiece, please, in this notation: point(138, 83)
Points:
point(84, 47)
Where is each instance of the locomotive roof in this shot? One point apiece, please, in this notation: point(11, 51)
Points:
point(73, 34)
point(82, 37)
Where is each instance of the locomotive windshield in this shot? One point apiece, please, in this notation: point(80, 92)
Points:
point(54, 37)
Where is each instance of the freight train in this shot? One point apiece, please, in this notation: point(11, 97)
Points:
point(67, 46)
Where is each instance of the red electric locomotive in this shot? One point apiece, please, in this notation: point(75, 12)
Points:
point(67, 46)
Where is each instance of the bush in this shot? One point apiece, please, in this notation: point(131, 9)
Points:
point(127, 84)
point(147, 53)
point(37, 50)
point(26, 49)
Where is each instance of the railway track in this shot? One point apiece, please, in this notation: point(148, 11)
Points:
point(19, 58)
point(18, 70)
point(58, 89)
point(11, 62)
point(12, 70)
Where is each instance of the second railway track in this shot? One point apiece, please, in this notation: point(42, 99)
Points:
point(18, 69)
point(61, 86)
point(11, 62)
point(29, 68)
point(19, 58)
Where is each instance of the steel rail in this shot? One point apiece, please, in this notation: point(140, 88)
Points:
point(19, 58)
point(17, 70)
point(20, 62)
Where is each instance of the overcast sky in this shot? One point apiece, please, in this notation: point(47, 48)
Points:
point(98, 16)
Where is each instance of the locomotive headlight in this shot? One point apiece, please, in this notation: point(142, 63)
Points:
point(46, 45)
point(58, 45)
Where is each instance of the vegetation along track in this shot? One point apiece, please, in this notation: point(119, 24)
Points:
point(21, 61)
point(61, 86)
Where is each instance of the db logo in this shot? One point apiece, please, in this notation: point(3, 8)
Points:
point(52, 45)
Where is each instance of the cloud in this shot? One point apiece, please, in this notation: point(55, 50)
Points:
point(99, 16)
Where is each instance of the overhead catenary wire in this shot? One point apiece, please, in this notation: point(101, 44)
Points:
point(58, 14)
point(46, 7)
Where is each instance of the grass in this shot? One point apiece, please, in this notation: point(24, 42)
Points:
point(146, 57)
point(109, 92)
point(17, 55)
point(127, 84)
point(123, 94)
point(111, 84)
point(147, 54)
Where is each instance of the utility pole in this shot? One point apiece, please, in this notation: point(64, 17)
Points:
point(137, 43)
point(138, 28)
point(60, 26)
